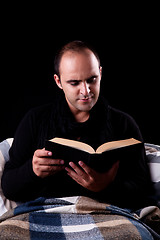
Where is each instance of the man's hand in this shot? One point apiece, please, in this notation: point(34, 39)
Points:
point(91, 179)
point(44, 166)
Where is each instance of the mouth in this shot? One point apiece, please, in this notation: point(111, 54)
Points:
point(87, 99)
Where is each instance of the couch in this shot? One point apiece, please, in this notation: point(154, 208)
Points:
point(79, 217)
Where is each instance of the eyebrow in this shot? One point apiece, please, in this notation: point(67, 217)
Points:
point(75, 80)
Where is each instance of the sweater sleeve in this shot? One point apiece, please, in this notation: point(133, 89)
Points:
point(19, 183)
point(132, 184)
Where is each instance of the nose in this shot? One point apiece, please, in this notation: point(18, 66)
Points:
point(85, 89)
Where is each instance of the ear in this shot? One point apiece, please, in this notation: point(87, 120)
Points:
point(100, 70)
point(58, 81)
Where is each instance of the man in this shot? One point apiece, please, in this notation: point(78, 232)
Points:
point(79, 114)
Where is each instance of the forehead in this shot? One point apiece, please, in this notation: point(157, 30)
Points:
point(79, 63)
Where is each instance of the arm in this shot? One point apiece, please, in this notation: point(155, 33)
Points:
point(89, 178)
point(44, 166)
point(125, 184)
point(23, 175)
point(18, 170)
point(132, 183)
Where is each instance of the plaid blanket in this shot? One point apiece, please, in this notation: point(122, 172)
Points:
point(74, 218)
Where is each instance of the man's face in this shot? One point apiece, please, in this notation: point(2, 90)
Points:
point(80, 77)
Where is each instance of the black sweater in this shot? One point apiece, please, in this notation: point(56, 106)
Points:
point(19, 182)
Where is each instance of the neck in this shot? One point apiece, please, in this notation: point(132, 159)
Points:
point(81, 116)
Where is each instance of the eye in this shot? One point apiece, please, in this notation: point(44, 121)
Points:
point(74, 83)
point(92, 80)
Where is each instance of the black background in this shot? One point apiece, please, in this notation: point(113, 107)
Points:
point(126, 38)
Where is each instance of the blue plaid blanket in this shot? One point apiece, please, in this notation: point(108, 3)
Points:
point(74, 218)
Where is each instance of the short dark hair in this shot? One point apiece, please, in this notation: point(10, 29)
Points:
point(75, 46)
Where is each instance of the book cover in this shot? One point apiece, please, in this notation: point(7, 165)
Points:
point(100, 160)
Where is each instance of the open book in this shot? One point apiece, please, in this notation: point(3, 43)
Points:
point(101, 159)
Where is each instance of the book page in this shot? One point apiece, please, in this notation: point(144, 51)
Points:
point(116, 144)
point(75, 144)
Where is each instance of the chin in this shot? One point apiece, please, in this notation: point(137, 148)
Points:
point(86, 107)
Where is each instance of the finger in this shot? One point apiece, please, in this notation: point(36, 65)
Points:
point(51, 169)
point(77, 169)
point(89, 171)
point(51, 162)
point(77, 174)
point(74, 176)
point(44, 171)
point(115, 166)
point(42, 153)
point(113, 170)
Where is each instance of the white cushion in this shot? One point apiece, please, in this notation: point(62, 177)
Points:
point(5, 204)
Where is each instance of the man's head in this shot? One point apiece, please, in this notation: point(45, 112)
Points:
point(78, 74)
